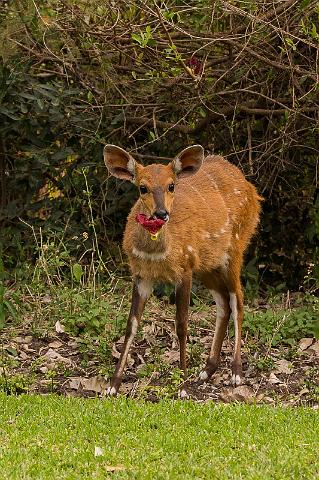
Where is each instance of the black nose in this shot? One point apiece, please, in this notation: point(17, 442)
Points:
point(162, 214)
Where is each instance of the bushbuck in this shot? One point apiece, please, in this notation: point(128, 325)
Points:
point(195, 215)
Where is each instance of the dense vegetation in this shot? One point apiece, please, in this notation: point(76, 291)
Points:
point(239, 77)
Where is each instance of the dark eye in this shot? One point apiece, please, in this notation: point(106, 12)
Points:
point(143, 189)
point(171, 187)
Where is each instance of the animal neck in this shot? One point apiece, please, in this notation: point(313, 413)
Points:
point(144, 242)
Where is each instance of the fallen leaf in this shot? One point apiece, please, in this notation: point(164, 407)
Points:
point(243, 393)
point(59, 328)
point(96, 384)
point(171, 356)
point(315, 347)
point(56, 356)
point(23, 356)
point(114, 468)
point(115, 352)
point(55, 344)
point(273, 379)
point(75, 382)
point(283, 366)
point(27, 339)
point(305, 343)
point(98, 452)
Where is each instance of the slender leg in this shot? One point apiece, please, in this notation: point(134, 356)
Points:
point(237, 309)
point(141, 291)
point(222, 318)
point(183, 290)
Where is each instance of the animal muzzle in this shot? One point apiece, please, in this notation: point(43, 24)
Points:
point(162, 215)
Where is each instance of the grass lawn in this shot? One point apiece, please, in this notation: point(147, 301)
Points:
point(56, 438)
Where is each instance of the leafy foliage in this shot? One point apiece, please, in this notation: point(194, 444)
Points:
point(238, 77)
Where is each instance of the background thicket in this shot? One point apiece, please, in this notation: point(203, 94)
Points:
point(239, 77)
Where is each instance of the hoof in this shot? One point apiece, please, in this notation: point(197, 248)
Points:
point(203, 376)
point(236, 380)
point(111, 392)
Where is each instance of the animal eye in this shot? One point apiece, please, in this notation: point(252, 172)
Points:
point(143, 189)
point(171, 187)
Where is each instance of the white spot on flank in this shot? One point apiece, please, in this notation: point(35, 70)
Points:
point(203, 375)
point(189, 248)
point(145, 288)
point(236, 191)
point(216, 235)
point(237, 236)
point(206, 235)
point(222, 230)
point(153, 257)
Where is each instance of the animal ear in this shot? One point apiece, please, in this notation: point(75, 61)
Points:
point(119, 163)
point(188, 161)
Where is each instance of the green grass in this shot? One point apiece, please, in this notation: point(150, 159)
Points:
point(55, 438)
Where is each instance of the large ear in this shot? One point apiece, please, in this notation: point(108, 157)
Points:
point(119, 163)
point(188, 161)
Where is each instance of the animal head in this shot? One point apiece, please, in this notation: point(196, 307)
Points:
point(156, 182)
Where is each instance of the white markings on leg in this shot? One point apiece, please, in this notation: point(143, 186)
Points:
point(129, 343)
point(145, 288)
point(111, 391)
point(234, 312)
point(236, 379)
point(203, 375)
point(220, 313)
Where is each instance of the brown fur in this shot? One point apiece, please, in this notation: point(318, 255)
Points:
point(201, 207)
point(213, 214)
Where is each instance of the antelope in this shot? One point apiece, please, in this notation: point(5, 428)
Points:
point(195, 215)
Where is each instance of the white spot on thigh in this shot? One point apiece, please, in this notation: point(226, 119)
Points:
point(216, 235)
point(145, 288)
point(189, 248)
point(237, 236)
point(203, 375)
point(236, 191)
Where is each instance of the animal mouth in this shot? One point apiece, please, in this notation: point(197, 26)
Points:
point(152, 224)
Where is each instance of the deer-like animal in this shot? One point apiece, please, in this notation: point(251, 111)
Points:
point(195, 215)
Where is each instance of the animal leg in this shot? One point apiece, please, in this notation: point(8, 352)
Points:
point(141, 291)
point(221, 298)
point(183, 290)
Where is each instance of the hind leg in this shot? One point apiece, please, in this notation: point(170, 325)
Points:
point(220, 293)
point(237, 311)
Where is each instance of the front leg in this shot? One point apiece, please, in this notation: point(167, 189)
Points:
point(141, 291)
point(183, 290)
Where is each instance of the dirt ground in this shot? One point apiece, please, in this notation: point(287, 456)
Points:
point(58, 363)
